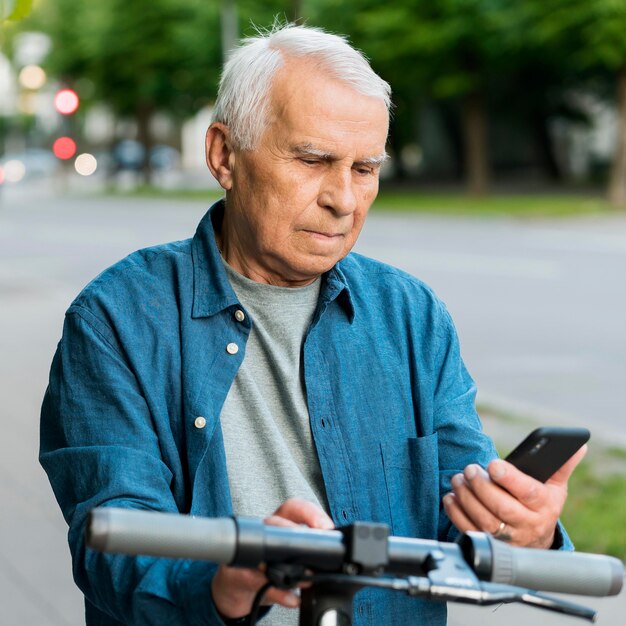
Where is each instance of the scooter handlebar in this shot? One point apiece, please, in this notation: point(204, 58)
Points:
point(248, 542)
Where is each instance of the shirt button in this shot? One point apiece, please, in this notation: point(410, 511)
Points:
point(240, 316)
point(232, 348)
point(200, 422)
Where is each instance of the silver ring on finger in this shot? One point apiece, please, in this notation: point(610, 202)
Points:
point(502, 533)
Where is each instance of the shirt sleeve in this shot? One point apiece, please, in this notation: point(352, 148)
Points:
point(99, 447)
point(460, 434)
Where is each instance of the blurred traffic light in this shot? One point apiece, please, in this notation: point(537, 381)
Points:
point(64, 148)
point(66, 101)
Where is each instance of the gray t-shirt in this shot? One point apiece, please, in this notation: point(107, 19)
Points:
point(270, 453)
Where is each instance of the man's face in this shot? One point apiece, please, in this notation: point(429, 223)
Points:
point(296, 204)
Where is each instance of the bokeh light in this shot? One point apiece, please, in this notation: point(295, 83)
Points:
point(32, 77)
point(14, 171)
point(64, 148)
point(1, 175)
point(85, 164)
point(66, 101)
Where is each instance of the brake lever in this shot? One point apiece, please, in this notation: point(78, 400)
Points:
point(492, 593)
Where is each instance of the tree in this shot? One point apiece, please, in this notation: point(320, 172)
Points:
point(147, 55)
point(141, 57)
point(591, 35)
point(601, 27)
point(448, 50)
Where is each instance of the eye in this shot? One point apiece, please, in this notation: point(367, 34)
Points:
point(309, 161)
point(364, 170)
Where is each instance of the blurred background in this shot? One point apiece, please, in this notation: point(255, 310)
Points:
point(505, 191)
point(486, 92)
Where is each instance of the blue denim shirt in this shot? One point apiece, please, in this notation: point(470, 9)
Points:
point(143, 355)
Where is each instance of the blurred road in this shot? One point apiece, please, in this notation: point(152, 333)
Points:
point(539, 304)
point(540, 307)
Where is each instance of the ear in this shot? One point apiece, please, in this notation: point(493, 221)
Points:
point(220, 156)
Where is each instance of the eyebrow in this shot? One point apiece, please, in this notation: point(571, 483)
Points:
point(307, 149)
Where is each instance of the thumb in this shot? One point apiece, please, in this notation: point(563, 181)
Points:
point(301, 511)
point(562, 475)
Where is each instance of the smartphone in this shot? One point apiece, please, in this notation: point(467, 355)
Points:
point(546, 449)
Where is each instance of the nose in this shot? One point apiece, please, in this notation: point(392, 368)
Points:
point(337, 191)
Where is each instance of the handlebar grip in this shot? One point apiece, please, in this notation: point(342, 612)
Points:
point(131, 531)
point(556, 571)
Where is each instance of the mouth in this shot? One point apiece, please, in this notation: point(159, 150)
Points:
point(324, 236)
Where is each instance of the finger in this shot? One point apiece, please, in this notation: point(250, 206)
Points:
point(276, 520)
point(456, 514)
point(233, 589)
point(246, 579)
point(304, 512)
point(562, 475)
point(529, 492)
point(530, 508)
point(483, 502)
point(500, 504)
point(287, 598)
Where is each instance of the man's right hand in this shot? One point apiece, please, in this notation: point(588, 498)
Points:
point(234, 588)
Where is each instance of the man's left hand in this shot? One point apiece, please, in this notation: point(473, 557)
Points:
point(509, 504)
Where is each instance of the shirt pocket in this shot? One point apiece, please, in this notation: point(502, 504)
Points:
point(411, 469)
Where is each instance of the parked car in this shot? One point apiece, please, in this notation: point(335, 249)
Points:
point(128, 154)
point(29, 164)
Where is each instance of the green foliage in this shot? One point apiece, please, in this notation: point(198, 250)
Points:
point(521, 59)
point(168, 51)
point(592, 33)
point(151, 54)
point(444, 48)
point(253, 14)
point(146, 54)
point(15, 10)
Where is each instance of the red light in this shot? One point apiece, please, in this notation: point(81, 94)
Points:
point(64, 148)
point(66, 101)
point(1, 175)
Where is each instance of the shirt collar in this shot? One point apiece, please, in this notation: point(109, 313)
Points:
point(212, 291)
point(336, 287)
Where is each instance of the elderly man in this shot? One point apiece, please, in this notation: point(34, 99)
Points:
point(262, 369)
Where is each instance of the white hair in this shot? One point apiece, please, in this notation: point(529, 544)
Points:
point(243, 94)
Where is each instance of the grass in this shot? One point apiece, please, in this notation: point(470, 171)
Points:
point(415, 201)
point(497, 204)
point(618, 453)
point(595, 511)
